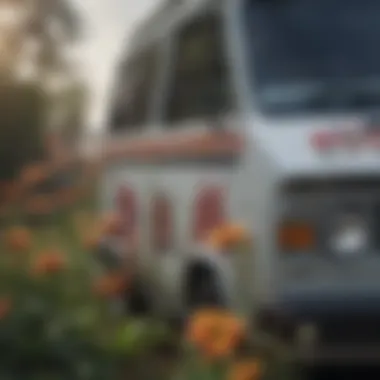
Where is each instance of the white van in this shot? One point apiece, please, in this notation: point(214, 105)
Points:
point(262, 112)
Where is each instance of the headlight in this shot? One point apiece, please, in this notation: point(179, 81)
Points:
point(350, 235)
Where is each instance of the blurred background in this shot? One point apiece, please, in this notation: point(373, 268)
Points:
point(56, 60)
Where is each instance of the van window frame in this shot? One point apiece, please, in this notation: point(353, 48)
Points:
point(161, 90)
point(157, 46)
point(214, 10)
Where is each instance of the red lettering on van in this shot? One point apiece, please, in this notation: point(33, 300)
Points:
point(351, 139)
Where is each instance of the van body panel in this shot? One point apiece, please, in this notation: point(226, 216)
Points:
point(289, 142)
point(271, 171)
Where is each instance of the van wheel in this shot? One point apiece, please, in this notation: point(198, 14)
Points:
point(201, 288)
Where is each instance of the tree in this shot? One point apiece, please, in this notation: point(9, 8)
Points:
point(55, 24)
point(36, 32)
point(26, 106)
point(70, 106)
point(22, 110)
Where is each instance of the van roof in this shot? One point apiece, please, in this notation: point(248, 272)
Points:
point(162, 19)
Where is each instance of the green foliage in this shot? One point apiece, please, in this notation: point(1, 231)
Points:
point(211, 351)
point(22, 120)
point(57, 327)
point(73, 103)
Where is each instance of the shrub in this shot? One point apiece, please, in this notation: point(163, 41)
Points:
point(55, 315)
point(217, 347)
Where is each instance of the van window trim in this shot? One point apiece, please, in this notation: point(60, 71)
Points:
point(247, 100)
point(155, 46)
point(173, 41)
point(160, 94)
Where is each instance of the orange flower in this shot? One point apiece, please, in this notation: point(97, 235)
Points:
point(68, 196)
point(215, 239)
point(18, 239)
point(246, 370)
point(215, 333)
point(112, 224)
point(5, 307)
point(236, 234)
point(89, 236)
point(227, 236)
point(34, 174)
point(91, 239)
point(49, 262)
point(110, 285)
point(10, 191)
point(40, 204)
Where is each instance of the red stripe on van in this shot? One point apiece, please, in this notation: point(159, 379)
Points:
point(175, 145)
point(209, 210)
point(126, 204)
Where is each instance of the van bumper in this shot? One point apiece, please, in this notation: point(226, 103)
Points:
point(338, 329)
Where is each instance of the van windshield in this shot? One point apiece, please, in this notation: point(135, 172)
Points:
point(314, 56)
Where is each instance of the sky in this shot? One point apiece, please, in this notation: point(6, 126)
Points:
point(108, 24)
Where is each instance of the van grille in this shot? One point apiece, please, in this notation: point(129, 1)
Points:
point(322, 200)
point(359, 329)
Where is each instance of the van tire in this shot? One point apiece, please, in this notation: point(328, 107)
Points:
point(201, 287)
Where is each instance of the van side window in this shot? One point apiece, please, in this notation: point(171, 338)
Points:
point(134, 87)
point(199, 86)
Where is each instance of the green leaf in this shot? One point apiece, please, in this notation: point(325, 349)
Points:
point(125, 339)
